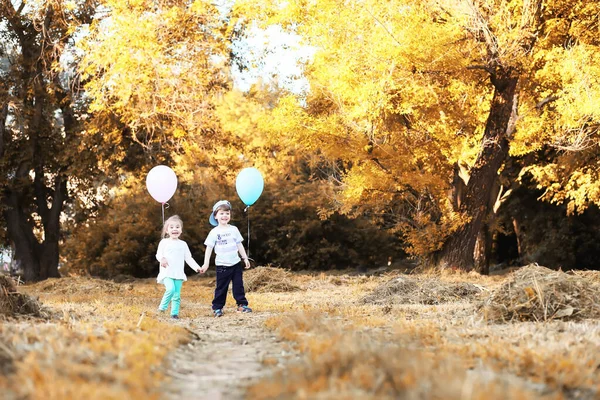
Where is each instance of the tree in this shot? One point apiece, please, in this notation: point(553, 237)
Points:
point(157, 68)
point(155, 73)
point(422, 103)
point(39, 128)
point(72, 128)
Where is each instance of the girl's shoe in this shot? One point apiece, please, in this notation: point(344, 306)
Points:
point(244, 309)
point(218, 313)
point(175, 316)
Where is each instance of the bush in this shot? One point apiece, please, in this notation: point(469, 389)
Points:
point(285, 231)
point(548, 236)
point(124, 237)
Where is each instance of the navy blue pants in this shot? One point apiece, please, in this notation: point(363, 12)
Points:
point(224, 276)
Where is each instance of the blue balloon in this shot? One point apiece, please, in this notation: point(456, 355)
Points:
point(249, 185)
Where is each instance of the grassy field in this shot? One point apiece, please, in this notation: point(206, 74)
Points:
point(530, 334)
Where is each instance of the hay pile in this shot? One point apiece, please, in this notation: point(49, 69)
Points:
point(536, 293)
point(269, 279)
point(593, 276)
point(13, 303)
point(415, 290)
point(344, 280)
point(80, 285)
point(8, 284)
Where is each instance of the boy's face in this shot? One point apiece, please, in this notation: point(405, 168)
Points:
point(174, 230)
point(223, 217)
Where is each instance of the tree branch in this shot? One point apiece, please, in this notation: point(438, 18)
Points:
point(3, 116)
point(514, 117)
point(40, 193)
point(545, 101)
point(481, 30)
point(20, 10)
point(13, 17)
point(58, 200)
point(486, 68)
point(384, 27)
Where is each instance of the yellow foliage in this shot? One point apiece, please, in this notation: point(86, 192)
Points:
point(156, 67)
point(400, 92)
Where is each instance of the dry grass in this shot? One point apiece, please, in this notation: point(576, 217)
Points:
point(98, 343)
point(8, 284)
point(343, 361)
point(13, 303)
point(269, 279)
point(400, 348)
point(419, 290)
point(536, 293)
point(593, 276)
point(400, 344)
point(81, 285)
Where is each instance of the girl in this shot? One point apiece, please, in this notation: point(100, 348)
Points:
point(171, 254)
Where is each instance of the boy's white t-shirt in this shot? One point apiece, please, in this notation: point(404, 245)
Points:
point(176, 251)
point(224, 239)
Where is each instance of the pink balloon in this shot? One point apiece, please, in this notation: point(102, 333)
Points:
point(161, 183)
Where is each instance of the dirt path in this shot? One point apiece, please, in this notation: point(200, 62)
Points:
point(226, 357)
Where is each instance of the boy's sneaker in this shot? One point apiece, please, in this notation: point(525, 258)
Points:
point(218, 313)
point(175, 316)
point(244, 309)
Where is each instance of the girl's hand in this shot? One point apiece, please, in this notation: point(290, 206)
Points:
point(164, 263)
point(203, 269)
point(247, 262)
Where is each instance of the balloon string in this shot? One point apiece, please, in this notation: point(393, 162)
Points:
point(163, 211)
point(248, 211)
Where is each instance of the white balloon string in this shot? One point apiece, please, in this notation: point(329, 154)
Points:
point(163, 210)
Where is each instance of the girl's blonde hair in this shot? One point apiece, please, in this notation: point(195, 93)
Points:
point(172, 219)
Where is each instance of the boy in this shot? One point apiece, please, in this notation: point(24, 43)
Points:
point(227, 242)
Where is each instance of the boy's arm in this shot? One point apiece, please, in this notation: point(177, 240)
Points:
point(207, 255)
point(242, 252)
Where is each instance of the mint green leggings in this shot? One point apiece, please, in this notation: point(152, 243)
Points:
point(172, 294)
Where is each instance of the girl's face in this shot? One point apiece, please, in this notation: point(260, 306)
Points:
point(174, 230)
point(223, 217)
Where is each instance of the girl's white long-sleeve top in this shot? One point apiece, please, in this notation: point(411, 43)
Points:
point(176, 252)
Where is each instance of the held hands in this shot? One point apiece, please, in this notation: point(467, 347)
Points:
point(247, 262)
point(164, 263)
point(203, 269)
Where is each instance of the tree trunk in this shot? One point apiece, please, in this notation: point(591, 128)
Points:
point(483, 250)
point(458, 251)
point(37, 260)
point(33, 188)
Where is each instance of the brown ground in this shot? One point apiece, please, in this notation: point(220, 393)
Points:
point(228, 354)
point(326, 336)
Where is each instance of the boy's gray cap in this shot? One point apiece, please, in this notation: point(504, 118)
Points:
point(218, 204)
